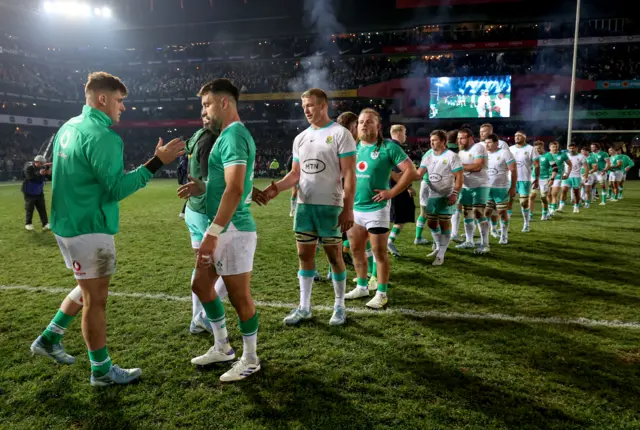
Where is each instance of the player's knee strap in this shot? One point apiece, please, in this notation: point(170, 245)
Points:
point(432, 217)
point(76, 295)
point(524, 200)
point(491, 205)
point(444, 217)
point(502, 206)
point(306, 238)
point(331, 240)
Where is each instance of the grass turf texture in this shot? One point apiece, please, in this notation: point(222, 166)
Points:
point(398, 371)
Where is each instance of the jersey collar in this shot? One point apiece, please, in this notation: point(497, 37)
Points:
point(97, 114)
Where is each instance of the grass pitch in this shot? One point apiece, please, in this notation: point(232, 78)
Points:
point(461, 367)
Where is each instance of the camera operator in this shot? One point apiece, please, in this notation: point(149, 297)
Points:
point(35, 174)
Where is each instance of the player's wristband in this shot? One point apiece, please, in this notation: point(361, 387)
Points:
point(214, 230)
point(154, 164)
point(455, 192)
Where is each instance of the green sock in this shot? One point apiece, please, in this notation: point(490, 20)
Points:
point(494, 224)
point(346, 244)
point(56, 328)
point(620, 190)
point(420, 226)
point(214, 310)
point(100, 361)
point(382, 288)
point(395, 231)
point(362, 283)
point(604, 197)
point(370, 262)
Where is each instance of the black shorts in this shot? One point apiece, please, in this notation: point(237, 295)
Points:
point(403, 209)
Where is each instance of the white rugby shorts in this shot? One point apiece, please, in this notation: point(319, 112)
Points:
point(234, 252)
point(424, 193)
point(376, 219)
point(90, 256)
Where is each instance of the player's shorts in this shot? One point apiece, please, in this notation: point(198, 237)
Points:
point(591, 180)
point(90, 256)
point(403, 209)
point(624, 176)
point(197, 224)
point(439, 206)
point(523, 188)
point(601, 177)
point(424, 193)
point(474, 196)
point(557, 183)
point(234, 252)
point(317, 220)
point(616, 176)
point(544, 185)
point(499, 195)
point(573, 183)
point(374, 219)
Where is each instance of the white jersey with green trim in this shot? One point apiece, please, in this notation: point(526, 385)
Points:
point(499, 162)
point(577, 163)
point(524, 156)
point(440, 172)
point(475, 179)
point(318, 152)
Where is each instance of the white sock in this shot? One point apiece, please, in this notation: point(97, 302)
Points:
point(504, 230)
point(445, 239)
point(526, 216)
point(339, 287)
point(436, 237)
point(196, 305)
point(484, 232)
point(469, 229)
point(221, 288)
point(220, 332)
point(455, 222)
point(306, 285)
point(250, 347)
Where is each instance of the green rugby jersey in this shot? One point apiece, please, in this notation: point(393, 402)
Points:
point(547, 161)
point(88, 178)
point(373, 170)
point(627, 162)
point(560, 158)
point(601, 156)
point(234, 146)
point(617, 158)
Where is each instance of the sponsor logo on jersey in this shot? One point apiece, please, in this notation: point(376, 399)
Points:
point(362, 166)
point(329, 140)
point(493, 171)
point(445, 162)
point(313, 166)
point(434, 177)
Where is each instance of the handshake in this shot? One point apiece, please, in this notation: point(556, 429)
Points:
point(197, 187)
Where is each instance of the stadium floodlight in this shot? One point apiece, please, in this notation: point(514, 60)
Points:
point(48, 7)
point(444, 80)
point(97, 11)
point(106, 12)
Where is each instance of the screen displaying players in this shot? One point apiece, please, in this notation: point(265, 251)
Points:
point(470, 97)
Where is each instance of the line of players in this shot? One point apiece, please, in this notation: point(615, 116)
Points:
point(342, 188)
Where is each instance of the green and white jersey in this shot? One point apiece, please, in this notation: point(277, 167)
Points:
point(373, 169)
point(591, 161)
point(524, 156)
point(318, 151)
point(547, 161)
point(627, 162)
point(617, 158)
point(441, 171)
point(577, 163)
point(475, 179)
point(499, 162)
point(601, 157)
point(234, 146)
point(88, 179)
point(560, 158)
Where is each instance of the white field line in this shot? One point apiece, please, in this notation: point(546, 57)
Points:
point(585, 322)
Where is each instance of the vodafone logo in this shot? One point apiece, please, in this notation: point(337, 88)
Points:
point(362, 166)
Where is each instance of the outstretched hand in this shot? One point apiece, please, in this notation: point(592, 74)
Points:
point(169, 152)
point(271, 191)
point(192, 189)
point(260, 197)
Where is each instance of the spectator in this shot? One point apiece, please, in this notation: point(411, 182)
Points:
point(33, 191)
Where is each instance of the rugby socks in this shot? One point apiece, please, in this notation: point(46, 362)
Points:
point(526, 217)
point(469, 229)
point(436, 236)
point(249, 330)
point(100, 362)
point(445, 239)
point(55, 330)
point(371, 265)
point(455, 222)
point(339, 287)
point(306, 285)
point(420, 226)
point(484, 231)
point(395, 231)
point(362, 283)
point(217, 318)
point(382, 289)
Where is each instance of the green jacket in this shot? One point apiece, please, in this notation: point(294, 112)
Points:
point(88, 178)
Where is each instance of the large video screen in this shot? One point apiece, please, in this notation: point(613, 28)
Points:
point(470, 97)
